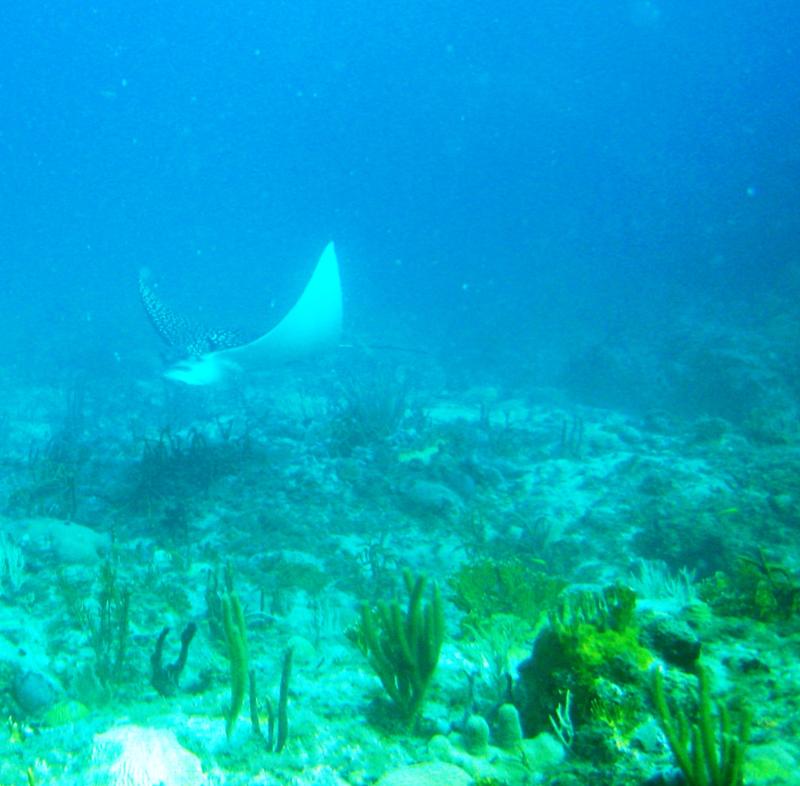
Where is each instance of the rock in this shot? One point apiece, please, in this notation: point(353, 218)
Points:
point(141, 756)
point(771, 764)
point(432, 774)
point(321, 775)
point(303, 651)
point(543, 752)
point(432, 498)
point(65, 542)
point(33, 691)
point(673, 640)
point(708, 429)
point(648, 736)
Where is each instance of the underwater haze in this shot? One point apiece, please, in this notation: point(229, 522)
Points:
point(491, 173)
point(537, 507)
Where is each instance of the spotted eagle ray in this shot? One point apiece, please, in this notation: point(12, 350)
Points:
point(312, 325)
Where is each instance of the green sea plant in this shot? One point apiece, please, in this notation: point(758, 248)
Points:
point(403, 646)
point(108, 626)
point(236, 637)
point(47, 484)
point(754, 587)
point(612, 608)
point(273, 744)
point(561, 722)
point(494, 644)
point(178, 466)
point(487, 587)
point(705, 756)
point(282, 576)
point(368, 410)
point(214, 596)
point(165, 678)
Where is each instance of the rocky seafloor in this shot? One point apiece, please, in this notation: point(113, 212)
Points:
point(630, 542)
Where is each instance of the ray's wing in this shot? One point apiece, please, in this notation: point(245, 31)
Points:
point(312, 325)
point(181, 334)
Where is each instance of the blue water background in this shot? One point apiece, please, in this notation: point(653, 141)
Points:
point(506, 178)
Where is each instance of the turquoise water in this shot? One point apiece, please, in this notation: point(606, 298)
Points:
point(549, 454)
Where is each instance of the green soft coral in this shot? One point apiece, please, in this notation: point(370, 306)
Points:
point(236, 637)
point(487, 587)
point(403, 646)
point(704, 756)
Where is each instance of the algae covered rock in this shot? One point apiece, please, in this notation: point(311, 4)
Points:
point(673, 640)
point(590, 649)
